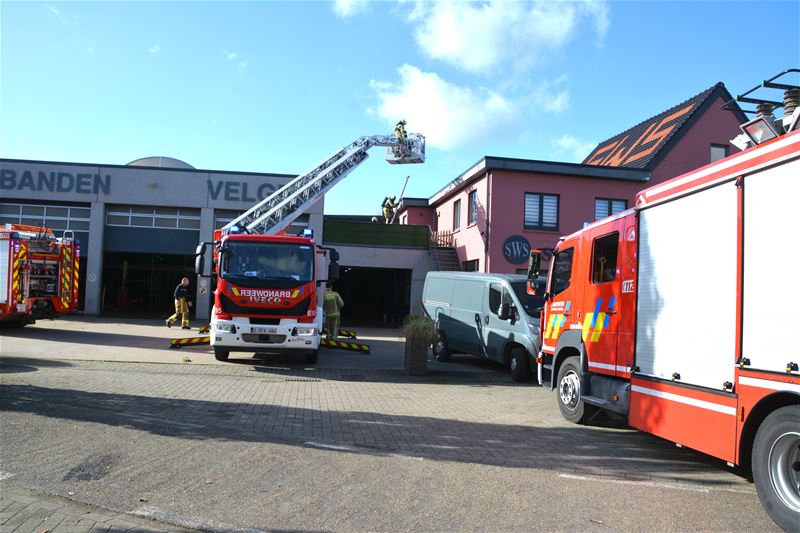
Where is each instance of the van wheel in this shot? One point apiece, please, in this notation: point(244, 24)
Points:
point(518, 364)
point(311, 357)
point(221, 355)
point(440, 349)
point(568, 392)
point(776, 466)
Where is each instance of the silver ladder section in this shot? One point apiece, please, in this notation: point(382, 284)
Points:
point(280, 209)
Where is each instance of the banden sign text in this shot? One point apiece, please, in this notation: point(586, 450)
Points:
point(41, 181)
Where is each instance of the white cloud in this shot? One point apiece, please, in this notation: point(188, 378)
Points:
point(349, 8)
point(56, 13)
point(154, 49)
point(448, 115)
point(242, 66)
point(551, 96)
point(231, 55)
point(574, 149)
point(480, 37)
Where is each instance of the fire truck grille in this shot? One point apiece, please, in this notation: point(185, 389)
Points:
point(263, 339)
point(296, 310)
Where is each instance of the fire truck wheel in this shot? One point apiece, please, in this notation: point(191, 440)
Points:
point(569, 392)
point(776, 466)
point(311, 357)
point(440, 349)
point(221, 355)
point(518, 364)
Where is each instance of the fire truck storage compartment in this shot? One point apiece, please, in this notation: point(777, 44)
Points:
point(771, 292)
point(43, 279)
point(686, 308)
point(4, 271)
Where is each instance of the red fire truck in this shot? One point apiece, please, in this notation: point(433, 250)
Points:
point(38, 274)
point(268, 295)
point(680, 315)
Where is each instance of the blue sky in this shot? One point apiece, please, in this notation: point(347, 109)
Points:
point(277, 86)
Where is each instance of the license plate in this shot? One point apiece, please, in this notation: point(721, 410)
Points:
point(264, 331)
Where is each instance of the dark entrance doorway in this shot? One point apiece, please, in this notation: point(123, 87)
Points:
point(374, 296)
point(139, 283)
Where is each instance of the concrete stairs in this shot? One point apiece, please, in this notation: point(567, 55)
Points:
point(445, 258)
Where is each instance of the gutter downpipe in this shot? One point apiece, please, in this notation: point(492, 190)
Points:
point(486, 222)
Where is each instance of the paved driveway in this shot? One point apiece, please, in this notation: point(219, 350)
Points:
point(281, 446)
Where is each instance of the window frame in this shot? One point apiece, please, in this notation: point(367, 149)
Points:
point(552, 287)
point(472, 208)
point(457, 215)
point(593, 279)
point(540, 225)
point(609, 205)
point(711, 152)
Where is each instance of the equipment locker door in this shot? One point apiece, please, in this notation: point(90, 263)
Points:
point(601, 298)
point(771, 294)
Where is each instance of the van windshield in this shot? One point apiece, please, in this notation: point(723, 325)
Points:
point(532, 304)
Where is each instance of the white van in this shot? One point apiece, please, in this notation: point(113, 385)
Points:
point(487, 315)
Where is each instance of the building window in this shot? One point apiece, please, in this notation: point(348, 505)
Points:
point(56, 217)
point(456, 215)
point(541, 211)
point(718, 151)
point(472, 216)
point(153, 217)
point(604, 207)
point(604, 258)
point(470, 266)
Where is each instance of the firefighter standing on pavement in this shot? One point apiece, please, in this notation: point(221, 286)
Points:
point(332, 304)
point(182, 304)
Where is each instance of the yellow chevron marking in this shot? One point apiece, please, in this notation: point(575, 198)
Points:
point(598, 327)
point(235, 291)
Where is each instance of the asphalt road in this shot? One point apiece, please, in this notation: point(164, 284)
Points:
point(283, 447)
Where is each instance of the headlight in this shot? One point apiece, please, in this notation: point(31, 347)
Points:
point(225, 328)
point(305, 331)
point(534, 328)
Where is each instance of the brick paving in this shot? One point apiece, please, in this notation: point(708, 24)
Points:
point(24, 511)
point(477, 418)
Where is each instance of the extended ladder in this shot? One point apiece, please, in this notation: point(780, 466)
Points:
point(280, 209)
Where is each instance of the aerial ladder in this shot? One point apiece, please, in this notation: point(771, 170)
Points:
point(267, 296)
point(276, 212)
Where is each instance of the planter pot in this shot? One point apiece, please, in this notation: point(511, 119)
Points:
point(416, 362)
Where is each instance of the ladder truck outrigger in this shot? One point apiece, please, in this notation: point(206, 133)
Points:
point(681, 314)
point(38, 274)
point(267, 296)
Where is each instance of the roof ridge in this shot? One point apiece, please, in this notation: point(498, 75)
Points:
point(704, 94)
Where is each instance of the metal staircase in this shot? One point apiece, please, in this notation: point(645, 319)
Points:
point(274, 213)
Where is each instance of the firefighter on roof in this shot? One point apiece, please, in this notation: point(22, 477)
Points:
point(389, 206)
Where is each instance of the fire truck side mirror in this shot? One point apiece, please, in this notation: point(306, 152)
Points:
point(200, 259)
point(534, 264)
point(333, 271)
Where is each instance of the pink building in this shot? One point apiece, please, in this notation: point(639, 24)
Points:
point(500, 208)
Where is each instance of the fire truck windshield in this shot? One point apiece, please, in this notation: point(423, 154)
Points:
point(267, 264)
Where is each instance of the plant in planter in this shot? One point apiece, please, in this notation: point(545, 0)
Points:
point(420, 333)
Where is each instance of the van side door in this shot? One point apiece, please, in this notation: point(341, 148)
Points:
point(495, 331)
point(466, 324)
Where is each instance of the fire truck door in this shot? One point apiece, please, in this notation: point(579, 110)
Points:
point(602, 299)
point(560, 311)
